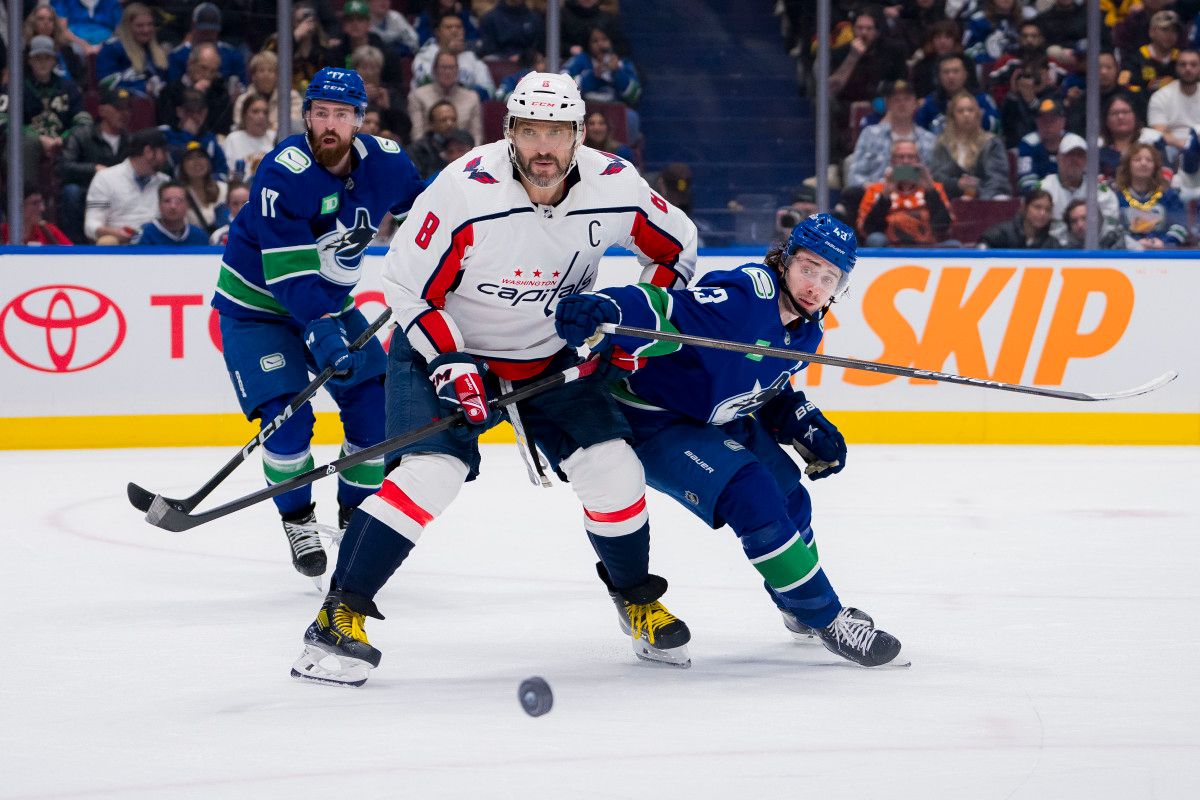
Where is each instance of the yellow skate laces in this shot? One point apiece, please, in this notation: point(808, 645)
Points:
point(648, 617)
point(347, 622)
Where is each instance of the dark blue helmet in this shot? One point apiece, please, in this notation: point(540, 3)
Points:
point(826, 236)
point(337, 86)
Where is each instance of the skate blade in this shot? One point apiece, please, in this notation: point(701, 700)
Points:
point(802, 637)
point(349, 672)
point(675, 657)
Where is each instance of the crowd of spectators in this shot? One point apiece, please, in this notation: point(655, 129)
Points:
point(144, 122)
point(948, 112)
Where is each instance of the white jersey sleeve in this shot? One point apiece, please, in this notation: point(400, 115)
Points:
point(663, 238)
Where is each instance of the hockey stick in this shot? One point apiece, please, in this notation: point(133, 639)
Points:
point(890, 369)
point(168, 517)
point(142, 499)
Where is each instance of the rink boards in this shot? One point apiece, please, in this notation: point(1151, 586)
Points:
point(113, 347)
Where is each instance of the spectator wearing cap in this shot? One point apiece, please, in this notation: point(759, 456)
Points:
point(873, 150)
point(1037, 154)
point(391, 26)
point(445, 88)
point(1028, 230)
point(907, 207)
point(449, 36)
point(203, 76)
point(37, 231)
point(1032, 88)
point(133, 59)
point(43, 21)
point(264, 83)
point(954, 73)
point(356, 33)
point(1068, 185)
point(1120, 130)
point(968, 161)
point(1152, 66)
point(189, 128)
point(509, 29)
point(1151, 212)
point(1175, 108)
point(428, 151)
point(170, 228)
point(942, 38)
point(89, 22)
point(206, 28)
point(124, 197)
point(597, 134)
point(89, 150)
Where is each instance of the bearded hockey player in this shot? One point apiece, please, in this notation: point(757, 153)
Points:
point(709, 425)
point(293, 257)
point(473, 276)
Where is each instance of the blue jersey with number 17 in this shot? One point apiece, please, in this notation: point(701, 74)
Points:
point(708, 385)
point(296, 247)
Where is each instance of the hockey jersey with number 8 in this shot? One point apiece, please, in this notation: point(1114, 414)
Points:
point(478, 267)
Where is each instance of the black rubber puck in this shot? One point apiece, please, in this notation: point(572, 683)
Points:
point(535, 696)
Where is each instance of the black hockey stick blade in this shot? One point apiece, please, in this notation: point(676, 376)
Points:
point(142, 499)
point(167, 516)
point(888, 369)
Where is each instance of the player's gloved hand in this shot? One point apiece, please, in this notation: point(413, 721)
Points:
point(326, 339)
point(818, 441)
point(459, 387)
point(616, 365)
point(577, 317)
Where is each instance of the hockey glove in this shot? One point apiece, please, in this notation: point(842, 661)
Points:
point(459, 387)
point(578, 316)
point(616, 365)
point(326, 339)
point(818, 441)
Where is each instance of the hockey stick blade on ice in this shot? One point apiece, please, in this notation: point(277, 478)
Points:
point(143, 499)
point(889, 369)
point(168, 517)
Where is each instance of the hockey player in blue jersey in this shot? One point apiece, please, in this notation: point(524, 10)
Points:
point(709, 425)
point(293, 256)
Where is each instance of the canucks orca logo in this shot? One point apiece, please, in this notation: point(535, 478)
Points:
point(615, 164)
point(748, 402)
point(341, 249)
point(475, 173)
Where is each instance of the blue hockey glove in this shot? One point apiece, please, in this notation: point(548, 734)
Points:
point(817, 440)
point(459, 387)
point(577, 317)
point(326, 339)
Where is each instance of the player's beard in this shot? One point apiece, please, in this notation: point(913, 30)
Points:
point(328, 155)
point(544, 182)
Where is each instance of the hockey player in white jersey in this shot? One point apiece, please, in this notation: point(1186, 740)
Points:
point(473, 277)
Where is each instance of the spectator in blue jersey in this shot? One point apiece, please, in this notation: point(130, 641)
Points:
point(43, 21)
point(203, 77)
point(206, 28)
point(531, 60)
point(1037, 153)
point(189, 128)
point(992, 30)
point(603, 76)
point(89, 22)
point(509, 29)
point(1153, 216)
point(133, 59)
point(953, 76)
point(598, 135)
point(710, 426)
point(171, 228)
point(429, 19)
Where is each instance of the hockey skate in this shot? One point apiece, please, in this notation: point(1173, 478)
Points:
point(302, 532)
point(656, 634)
point(860, 641)
point(336, 650)
point(344, 515)
point(806, 634)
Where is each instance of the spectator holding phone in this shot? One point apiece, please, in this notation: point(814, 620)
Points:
point(907, 207)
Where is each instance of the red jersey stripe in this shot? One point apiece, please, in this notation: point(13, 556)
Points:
point(391, 494)
point(618, 516)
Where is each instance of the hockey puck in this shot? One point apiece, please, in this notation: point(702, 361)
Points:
point(535, 696)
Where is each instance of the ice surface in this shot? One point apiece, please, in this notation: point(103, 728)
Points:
point(1046, 597)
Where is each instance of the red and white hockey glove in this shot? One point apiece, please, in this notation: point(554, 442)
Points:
point(459, 387)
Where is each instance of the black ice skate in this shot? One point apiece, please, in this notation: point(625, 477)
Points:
point(301, 530)
point(344, 515)
point(860, 641)
point(806, 634)
point(336, 650)
point(657, 634)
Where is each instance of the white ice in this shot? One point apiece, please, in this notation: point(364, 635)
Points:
point(1046, 597)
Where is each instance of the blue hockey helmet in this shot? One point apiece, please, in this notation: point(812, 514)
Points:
point(337, 86)
point(828, 237)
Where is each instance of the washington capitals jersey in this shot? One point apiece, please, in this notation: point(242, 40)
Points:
point(713, 386)
point(296, 247)
point(477, 267)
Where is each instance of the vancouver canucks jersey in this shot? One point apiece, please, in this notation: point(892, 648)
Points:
point(296, 247)
point(713, 386)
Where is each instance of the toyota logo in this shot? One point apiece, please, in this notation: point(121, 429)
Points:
point(61, 328)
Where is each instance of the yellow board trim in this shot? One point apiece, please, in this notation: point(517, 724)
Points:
point(859, 427)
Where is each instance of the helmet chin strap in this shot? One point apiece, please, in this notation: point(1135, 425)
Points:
point(804, 313)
